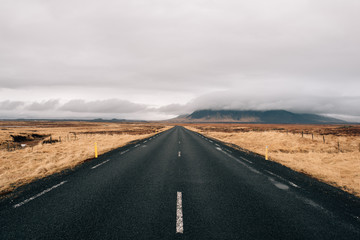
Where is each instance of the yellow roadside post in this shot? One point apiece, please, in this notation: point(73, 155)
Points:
point(96, 154)
point(266, 153)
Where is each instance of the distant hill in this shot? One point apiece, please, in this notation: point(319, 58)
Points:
point(271, 116)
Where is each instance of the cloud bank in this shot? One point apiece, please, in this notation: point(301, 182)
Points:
point(87, 58)
point(117, 108)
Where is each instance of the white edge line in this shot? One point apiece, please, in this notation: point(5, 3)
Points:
point(291, 183)
point(179, 214)
point(38, 195)
point(242, 163)
point(124, 152)
point(100, 164)
point(246, 160)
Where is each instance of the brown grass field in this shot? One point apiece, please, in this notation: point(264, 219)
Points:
point(300, 147)
point(72, 143)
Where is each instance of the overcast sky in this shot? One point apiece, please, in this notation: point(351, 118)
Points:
point(160, 58)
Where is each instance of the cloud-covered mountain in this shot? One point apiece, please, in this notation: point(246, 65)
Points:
point(272, 116)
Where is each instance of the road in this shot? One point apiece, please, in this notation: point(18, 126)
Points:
point(180, 185)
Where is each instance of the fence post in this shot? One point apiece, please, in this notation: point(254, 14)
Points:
point(96, 152)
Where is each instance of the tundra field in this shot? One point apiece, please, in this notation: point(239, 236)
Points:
point(30, 150)
point(330, 153)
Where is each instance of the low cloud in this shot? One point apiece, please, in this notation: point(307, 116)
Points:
point(43, 106)
point(343, 107)
point(340, 107)
point(10, 105)
point(102, 106)
point(76, 108)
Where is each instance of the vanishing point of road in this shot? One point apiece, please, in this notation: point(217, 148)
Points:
point(180, 185)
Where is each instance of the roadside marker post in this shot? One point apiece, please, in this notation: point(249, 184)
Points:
point(96, 153)
point(266, 153)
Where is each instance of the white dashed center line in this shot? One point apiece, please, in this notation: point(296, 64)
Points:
point(179, 214)
point(38, 195)
point(179, 154)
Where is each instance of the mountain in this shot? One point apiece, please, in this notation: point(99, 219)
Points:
point(271, 116)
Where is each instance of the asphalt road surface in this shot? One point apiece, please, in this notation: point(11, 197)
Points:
point(180, 185)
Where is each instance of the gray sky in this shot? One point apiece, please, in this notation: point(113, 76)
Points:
point(157, 59)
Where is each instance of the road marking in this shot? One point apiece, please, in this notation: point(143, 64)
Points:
point(179, 214)
point(100, 164)
point(291, 183)
point(242, 163)
point(38, 195)
point(124, 152)
point(246, 160)
point(217, 145)
point(179, 142)
point(278, 185)
point(179, 154)
point(313, 204)
point(218, 148)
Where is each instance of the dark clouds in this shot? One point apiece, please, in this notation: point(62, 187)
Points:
point(176, 56)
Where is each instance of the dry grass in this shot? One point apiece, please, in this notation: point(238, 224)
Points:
point(37, 160)
point(305, 153)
